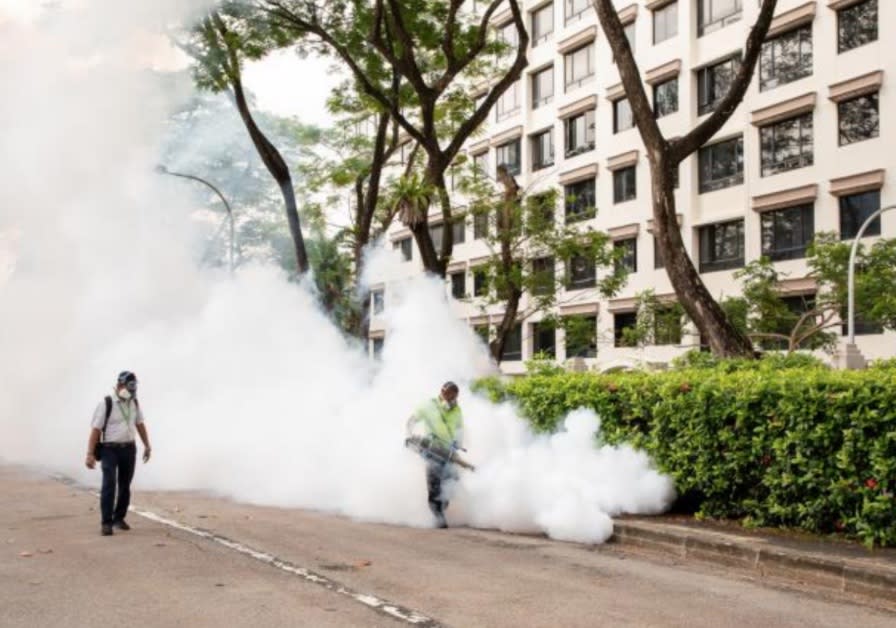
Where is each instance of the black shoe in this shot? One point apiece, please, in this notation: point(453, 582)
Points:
point(121, 525)
point(107, 530)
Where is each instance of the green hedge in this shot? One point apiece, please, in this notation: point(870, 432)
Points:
point(804, 447)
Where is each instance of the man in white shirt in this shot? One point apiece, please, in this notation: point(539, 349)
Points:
point(115, 424)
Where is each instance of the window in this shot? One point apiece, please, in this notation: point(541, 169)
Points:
point(625, 186)
point(722, 164)
point(855, 209)
point(544, 339)
point(579, 66)
point(715, 14)
point(667, 326)
point(542, 87)
point(665, 98)
point(513, 345)
point(857, 25)
point(859, 119)
point(543, 149)
point(629, 255)
point(482, 332)
point(459, 285)
point(787, 232)
point(786, 58)
point(658, 261)
point(459, 230)
point(508, 155)
point(579, 133)
point(508, 34)
point(406, 247)
point(540, 210)
point(582, 273)
point(543, 276)
point(575, 9)
point(713, 83)
point(480, 162)
point(480, 283)
point(622, 115)
point(621, 322)
point(542, 24)
point(378, 347)
point(581, 337)
point(580, 203)
point(721, 246)
point(509, 102)
point(785, 322)
point(665, 22)
point(786, 145)
point(480, 225)
point(629, 30)
point(378, 302)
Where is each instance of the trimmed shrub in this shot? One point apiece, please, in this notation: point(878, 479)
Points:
point(807, 447)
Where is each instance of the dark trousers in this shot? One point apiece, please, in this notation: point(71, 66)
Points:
point(118, 468)
point(437, 472)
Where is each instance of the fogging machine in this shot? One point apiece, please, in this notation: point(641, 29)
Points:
point(430, 448)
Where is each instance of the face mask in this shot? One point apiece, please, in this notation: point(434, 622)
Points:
point(449, 404)
point(124, 394)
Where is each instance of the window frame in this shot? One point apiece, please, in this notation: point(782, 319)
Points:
point(570, 84)
point(579, 214)
point(514, 148)
point(846, 141)
point(656, 90)
point(664, 11)
point(847, 11)
point(536, 145)
point(716, 23)
point(771, 53)
point(770, 231)
point(773, 139)
point(705, 186)
point(718, 263)
point(588, 118)
point(625, 184)
point(538, 38)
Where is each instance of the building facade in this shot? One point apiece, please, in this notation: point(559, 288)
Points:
point(805, 152)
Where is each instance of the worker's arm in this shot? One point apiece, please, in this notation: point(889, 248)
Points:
point(411, 424)
point(144, 436)
point(92, 440)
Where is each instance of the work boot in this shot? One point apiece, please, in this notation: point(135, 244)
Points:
point(107, 530)
point(121, 525)
point(440, 521)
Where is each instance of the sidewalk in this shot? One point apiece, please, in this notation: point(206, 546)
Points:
point(832, 564)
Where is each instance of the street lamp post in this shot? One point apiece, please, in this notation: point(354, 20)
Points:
point(850, 357)
point(162, 169)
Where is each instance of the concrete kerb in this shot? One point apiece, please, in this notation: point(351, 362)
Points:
point(758, 557)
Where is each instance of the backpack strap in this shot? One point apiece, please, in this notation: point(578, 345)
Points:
point(108, 414)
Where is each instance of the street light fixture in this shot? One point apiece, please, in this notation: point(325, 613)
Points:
point(163, 170)
point(851, 357)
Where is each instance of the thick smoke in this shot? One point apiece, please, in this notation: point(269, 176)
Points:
point(249, 391)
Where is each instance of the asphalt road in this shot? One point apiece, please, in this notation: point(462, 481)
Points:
point(258, 566)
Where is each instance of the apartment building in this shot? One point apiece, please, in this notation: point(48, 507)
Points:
point(805, 152)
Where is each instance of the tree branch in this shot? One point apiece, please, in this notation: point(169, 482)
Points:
point(684, 146)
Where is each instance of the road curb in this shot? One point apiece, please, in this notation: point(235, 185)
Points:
point(760, 557)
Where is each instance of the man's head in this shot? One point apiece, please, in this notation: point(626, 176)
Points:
point(449, 394)
point(126, 387)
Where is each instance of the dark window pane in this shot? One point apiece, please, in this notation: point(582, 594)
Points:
point(480, 225)
point(543, 149)
point(582, 273)
point(859, 119)
point(459, 285)
point(629, 259)
point(378, 301)
point(667, 326)
point(544, 339)
point(713, 83)
point(857, 25)
point(580, 203)
point(574, 9)
point(625, 186)
point(542, 24)
point(658, 261)
point(722, 165)
point(722, 246)
point(509, 103)
point(579, 67)
point(855, 209)
point(480, 283)
point(543, 276)
point(508, 155)
point(786, 58)
point(405, 245)
point(665, 98)
point(581, 337)
point(621, 322)
point(378, 347)
point(513, 346)
point(787, 232)
point(787, 145)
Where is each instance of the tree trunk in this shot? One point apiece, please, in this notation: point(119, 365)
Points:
point(276, 165)
point(507, 323)
point(724, 339)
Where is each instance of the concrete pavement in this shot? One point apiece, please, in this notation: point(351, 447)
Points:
point(157, 575)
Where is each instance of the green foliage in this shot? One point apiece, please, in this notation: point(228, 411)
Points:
point(809, 448)
point(697, 359)
point(657, 323)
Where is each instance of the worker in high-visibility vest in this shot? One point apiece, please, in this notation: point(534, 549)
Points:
point(443, 422)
